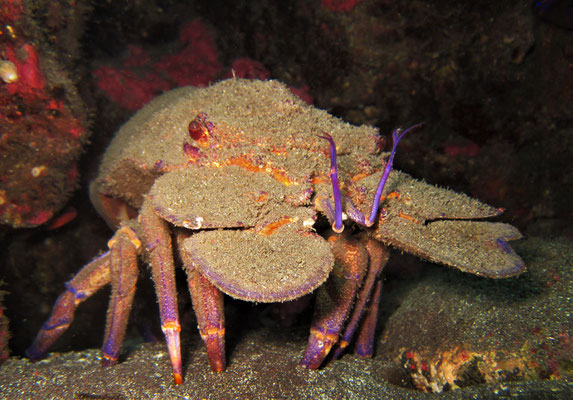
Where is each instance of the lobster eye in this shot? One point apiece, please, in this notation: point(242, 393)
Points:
point(197, 131)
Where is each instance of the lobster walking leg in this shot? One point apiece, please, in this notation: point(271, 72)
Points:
point(87, 281)
point(378, 256)
point(208, 306)
point(157, 240)
point(364, 346)
point(124, 248)
point(209, 310)
point(335, 298)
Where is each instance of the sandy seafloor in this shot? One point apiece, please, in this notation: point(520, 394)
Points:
point(145, 374)
point(532, 312)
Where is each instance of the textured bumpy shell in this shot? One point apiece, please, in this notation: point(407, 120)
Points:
point(266, 267)
point(272, 268)
point(259, 119)
point(248, 192)
point(263, 153)
point(440, 225)
point(225, 197)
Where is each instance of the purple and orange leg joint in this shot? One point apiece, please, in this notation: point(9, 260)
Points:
point(356, 215)
point(171, 330)
point(157, 239)
point(208, 303)
point(124, 249)
point(89, 280)
point(320, 342)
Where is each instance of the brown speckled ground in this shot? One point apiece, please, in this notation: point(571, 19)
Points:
point(146, 374)
point(440, 310)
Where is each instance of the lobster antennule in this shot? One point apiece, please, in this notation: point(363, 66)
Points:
point(337, 225)
point(356, 215)
point(396, 136)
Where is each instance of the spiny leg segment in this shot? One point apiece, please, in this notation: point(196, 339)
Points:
point(364, 345)
point(87, 281)
point(334, 299)
point(117, 266)
point(208, 306)
point(344, 294)
point(157, 241)
point(378, 256)
point(124, 248)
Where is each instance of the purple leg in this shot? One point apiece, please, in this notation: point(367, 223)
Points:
point(124, 249)
point(157, 239)
point(209, 310)
point(334, 299)
point(364, 346)
point(378, 257)
point(87, 281)
point(208, 306)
